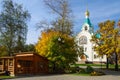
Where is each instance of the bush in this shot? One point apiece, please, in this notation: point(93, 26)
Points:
point(7, 73)
point(89, 69)
point(72, 70)
point(82, 70)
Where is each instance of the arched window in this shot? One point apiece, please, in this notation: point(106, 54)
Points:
point(86, 28)
point(83, 40)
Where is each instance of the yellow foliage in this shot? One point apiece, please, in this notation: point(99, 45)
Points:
point(109, 38)
point(49, 46)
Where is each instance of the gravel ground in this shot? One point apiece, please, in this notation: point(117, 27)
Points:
point(111, 75)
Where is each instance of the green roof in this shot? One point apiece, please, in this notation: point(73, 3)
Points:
point(87, 20)
point(98, 35)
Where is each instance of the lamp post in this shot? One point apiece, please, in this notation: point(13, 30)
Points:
point(61, 40)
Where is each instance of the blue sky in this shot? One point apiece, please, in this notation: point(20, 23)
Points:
point(100, 10)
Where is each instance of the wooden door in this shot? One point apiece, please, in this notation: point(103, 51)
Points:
point(5, 64)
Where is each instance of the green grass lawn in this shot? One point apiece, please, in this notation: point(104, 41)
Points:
point(111, 66)
point(6, 77)
point(81, 74)
point(89, 64)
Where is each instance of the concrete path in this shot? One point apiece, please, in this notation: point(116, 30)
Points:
point(69, 77)
point(111, 75)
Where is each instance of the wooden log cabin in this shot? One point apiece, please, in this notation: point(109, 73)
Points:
point(24, 63)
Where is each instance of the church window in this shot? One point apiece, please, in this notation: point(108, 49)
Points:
point(86, 28)
point(85, 49)
point(83, 40)
point(95, 56)
point(102, 57)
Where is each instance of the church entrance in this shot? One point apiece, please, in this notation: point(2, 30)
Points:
point(83, 57)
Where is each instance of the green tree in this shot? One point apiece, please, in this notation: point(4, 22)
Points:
point(13, 26)
point(63, 21)
point(59, 48)
point(29, 47)
point(107, 43)
point(3, 51)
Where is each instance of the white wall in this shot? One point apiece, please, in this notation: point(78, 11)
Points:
point(89, 52)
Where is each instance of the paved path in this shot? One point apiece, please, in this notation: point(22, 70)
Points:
point(70, 77)
point(111, 75)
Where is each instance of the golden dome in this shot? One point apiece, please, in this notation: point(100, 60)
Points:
point(87, 13)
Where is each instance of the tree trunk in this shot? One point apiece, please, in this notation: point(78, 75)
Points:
point(107, 64)
point(116, 62)
point(54, 67)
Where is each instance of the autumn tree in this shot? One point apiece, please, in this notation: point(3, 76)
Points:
point(13, 26)
point(58, 48)
point(63, 21)
point(107, 43)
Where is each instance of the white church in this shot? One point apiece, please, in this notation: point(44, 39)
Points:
point(83, 39)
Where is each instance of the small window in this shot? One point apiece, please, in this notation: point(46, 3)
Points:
point(28, 63)
point(86, 28)
point(11, 62)
point(24, 63)
point(41, 66)
point(6, 62)
point(85, 49)
point(0, 61)
point(102, 57)
point(95, 56)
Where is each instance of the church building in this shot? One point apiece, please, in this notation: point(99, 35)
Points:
point(83, 40)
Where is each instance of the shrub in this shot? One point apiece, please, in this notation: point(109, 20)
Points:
point(89, 69)
point(72, 70)
point(7, 73)
point(82, 70)
point(75, 69)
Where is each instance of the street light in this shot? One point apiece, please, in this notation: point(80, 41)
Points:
point(61, 40)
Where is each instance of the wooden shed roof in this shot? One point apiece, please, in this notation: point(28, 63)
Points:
point(20, 54)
